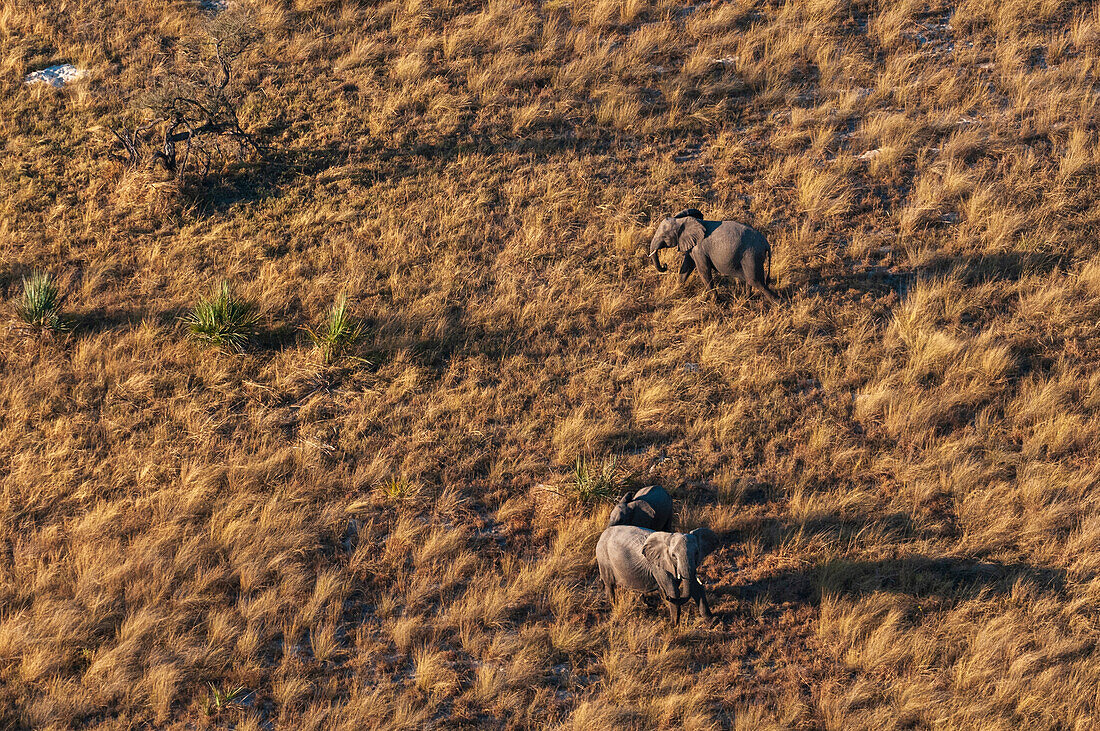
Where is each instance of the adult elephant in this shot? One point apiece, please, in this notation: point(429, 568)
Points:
point(724, 247)
point(642, 560)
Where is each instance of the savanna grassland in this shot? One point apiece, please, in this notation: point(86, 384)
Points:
point(901, 459)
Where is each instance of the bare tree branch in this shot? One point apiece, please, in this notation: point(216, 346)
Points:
point(196, 106)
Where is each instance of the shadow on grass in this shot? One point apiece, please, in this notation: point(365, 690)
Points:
point(916, 576)
point(264, 177)
point(276, 338)
point(244, 182)
point(435, 341)
point(971, 269)
point(11, 281)
point(855, 285)
point(772, 533)
point(101, 320)
point(258, 179)
point(1006, 266)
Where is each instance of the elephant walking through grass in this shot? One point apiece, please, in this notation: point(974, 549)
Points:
point(723, 247)
point(642, 560)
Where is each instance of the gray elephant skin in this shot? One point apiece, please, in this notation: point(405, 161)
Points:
point(723, 247)
point(642, 560)
point(650, 507)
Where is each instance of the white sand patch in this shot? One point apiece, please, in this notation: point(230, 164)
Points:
point(55, 75)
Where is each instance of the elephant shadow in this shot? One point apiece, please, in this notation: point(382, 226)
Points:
point(259, 179)
point(267, 176)
point(946, 578)
point(971, 269)
point(1007, 266)
point(771, 532)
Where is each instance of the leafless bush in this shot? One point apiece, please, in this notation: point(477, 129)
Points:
point(190, 119)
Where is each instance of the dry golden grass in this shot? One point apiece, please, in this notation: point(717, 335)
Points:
point(901, 460)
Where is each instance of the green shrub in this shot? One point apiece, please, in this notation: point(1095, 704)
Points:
point(225, 320)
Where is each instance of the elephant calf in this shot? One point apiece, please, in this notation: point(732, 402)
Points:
point(650, 507)
point(726, 247)
point(643, 560)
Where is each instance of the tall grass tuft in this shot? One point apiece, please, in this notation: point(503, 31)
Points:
point(40, 305)
point(224, 321)
point(592, 484)
point(338, 334)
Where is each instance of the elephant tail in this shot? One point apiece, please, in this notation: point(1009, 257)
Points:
point(768, 268)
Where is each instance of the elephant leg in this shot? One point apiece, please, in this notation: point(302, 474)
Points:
point(767, 292)
point(753, 270)
point(744, 285)
point(687, 266)
point(703, 604)
point(608, 580)
point(707, 277)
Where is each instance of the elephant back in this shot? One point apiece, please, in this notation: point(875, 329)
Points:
point(753, 238)
point(653, 508)
point(620, 557)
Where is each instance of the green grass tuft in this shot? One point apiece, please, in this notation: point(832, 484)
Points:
point(338, 334)
point(40, 305)
point(398, 488)
point(591, 484)
point(225, 321)
point(222, 698)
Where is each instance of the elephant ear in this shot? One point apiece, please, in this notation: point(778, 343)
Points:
point(655, 550)
point(691, 233)
point(708, 541)
point(620, 514)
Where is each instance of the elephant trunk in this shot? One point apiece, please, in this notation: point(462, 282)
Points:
point(655, 252)
point(684, 570)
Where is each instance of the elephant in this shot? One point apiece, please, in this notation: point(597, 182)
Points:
point(726, 247)
point(650, 507)
point(642, 560)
